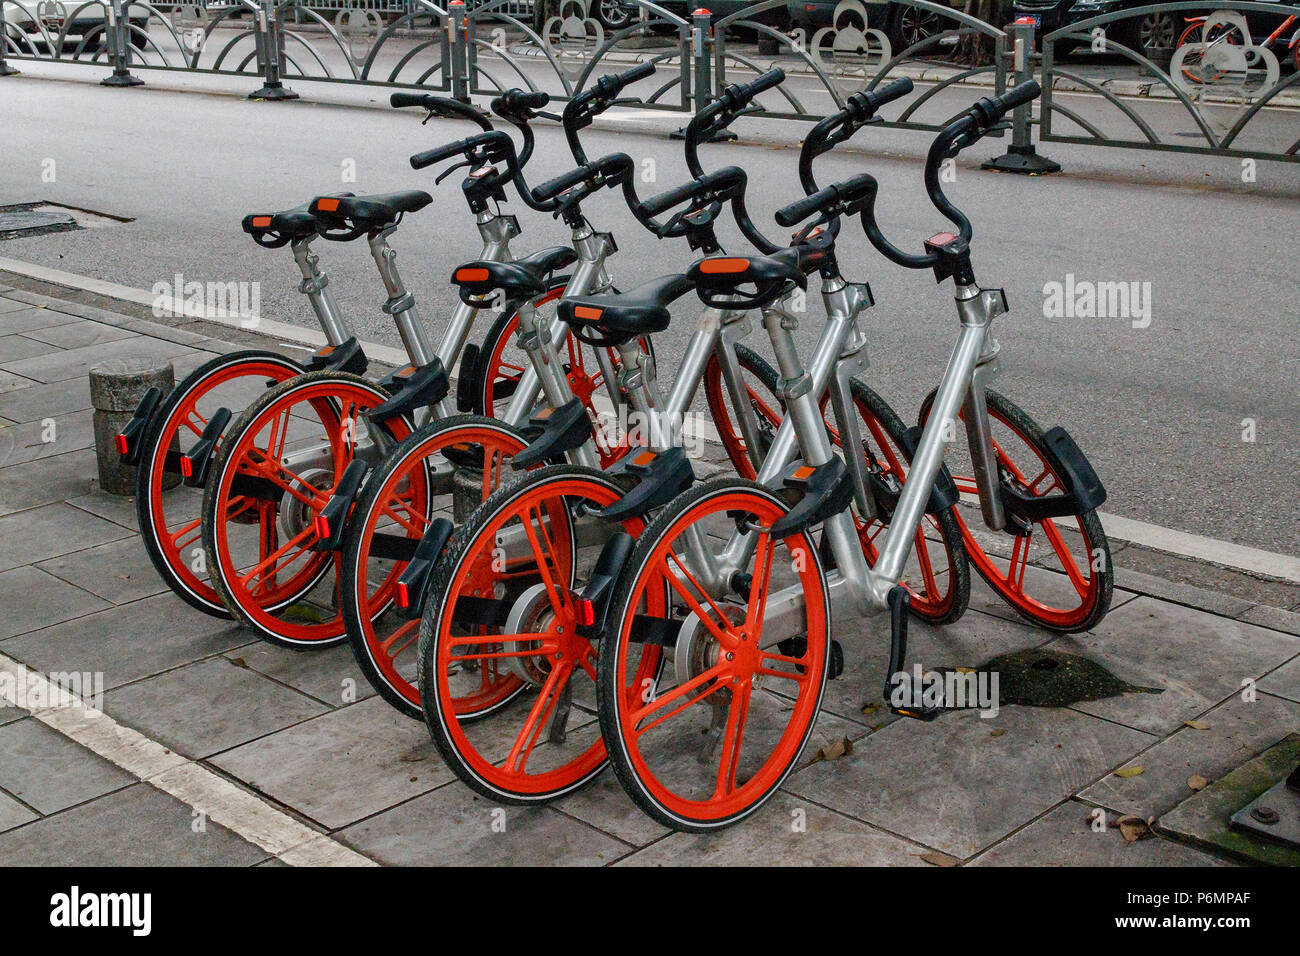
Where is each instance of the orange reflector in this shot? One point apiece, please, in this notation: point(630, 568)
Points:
point(804, 472)
point(644, 458)
point(325, 351)
point(942, 239)
point(321, 525)
point(586, 611)
point(402, 595)
point(123, 446)
point(720, 266)
point(261, 222)
point(327, 205)
point(406, 372)
point(471, 275)
point(587, 312)
point(187, 466)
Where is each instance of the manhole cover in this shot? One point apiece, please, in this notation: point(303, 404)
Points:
point(15, 222)
point(24, 220)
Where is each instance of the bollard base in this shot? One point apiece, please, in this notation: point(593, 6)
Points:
point(115, 390)
point(7, 70)
point(121, 79)
point(276, 92)
point(1024, 160)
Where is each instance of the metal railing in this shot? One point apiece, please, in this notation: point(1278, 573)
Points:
point(1214, 91)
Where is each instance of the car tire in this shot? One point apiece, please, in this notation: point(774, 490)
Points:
point(612, 14)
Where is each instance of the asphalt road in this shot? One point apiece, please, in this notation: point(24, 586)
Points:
point(1159, 406)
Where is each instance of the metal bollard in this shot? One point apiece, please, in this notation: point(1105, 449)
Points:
point(1022, 156)
point(114, 392)
point(270, 54)
point(5, 68)
point(118, 34)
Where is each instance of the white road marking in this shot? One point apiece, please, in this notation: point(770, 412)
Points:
point(1158, 538)
point(220, 800)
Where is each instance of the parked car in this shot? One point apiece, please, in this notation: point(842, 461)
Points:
point(1153, 34)
point(610, 14)
point(903, 23)
point(23, 25)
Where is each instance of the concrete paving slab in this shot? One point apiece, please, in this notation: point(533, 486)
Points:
point(15, 347)
point(77, 335)
point(1284, 682)
point(13, 814)
point(36, 401)
point(1273, 617)
point(330, 675)
point(45, 480)
point(46, 438)
point(209, 706)
point(18, 317)
point(1214, 602)
point(76, 363)
point(343, 766)
point(113, 508)
point(1235, 731)
point(1196, 659)
point(1202, 820)
point(49, 531)
point(604, 805)
point(49, 772)
point(139, 826)
point(453, 826)
point(33, 599)
point(788, 831)
point(119, 572)
point(931, 782)
point(10, 382)
point(10, 305)
point(129, 642)
point(1065, 837)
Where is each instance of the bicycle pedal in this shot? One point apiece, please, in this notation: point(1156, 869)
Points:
point(196, 462)
point(128, 439)
point(411, 587)
point(826, 490)
point(347, 356)
point(411, 389)
point(563, 429)
point(661, 477)
point(912, 703)
point(330, 522)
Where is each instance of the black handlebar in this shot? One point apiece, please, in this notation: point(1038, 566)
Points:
point(606, 171)
point(722, 112)
point(845, 198)
point(962, 132)
point(717, 186)
point(441, 106)
point(585, 106)
point(859, 110)
point(494, 146)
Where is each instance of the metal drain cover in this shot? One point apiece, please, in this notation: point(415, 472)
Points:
point(16, 221)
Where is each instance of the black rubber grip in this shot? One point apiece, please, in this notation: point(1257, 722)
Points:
point(888, 93)
point(765, 81)
point(458, 148)
point(991, 109)
point(553, 187)
point(710, 182)
point(441, 106)
point(638, 72)
point(850, 190)
point(517, 101)
point(401, 100)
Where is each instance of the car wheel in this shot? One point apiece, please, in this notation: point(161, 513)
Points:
point(909, 25)
point(612, 14)
point(1155, 33)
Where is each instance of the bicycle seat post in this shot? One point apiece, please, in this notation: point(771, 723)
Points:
point(315, 285)
point(400, 304)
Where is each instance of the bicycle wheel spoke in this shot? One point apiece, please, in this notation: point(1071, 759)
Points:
point(410, 630)
point(732, 740)
point(681, 690)
point(691, 602)
point(185, 529)
point(558, 601)
point(271, 565)
point(538, 715)
point(1065, 556)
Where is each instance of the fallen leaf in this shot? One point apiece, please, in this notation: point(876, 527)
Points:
point(997, 733)
point(939, 859)
point(239, 662)
point(964, 670)
point(1196, 724)
point(870, 708)
point(1197, 782)
point(1133, 828)
point(833, 751)
point(1130, 771)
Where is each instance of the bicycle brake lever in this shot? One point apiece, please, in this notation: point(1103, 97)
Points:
point(451, 169)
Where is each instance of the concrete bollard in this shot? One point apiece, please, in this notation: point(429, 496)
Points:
point(114, 392)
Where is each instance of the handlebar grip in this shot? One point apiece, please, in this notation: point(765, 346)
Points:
point(638, 72)
point(458, 148)
point(517, 101)
point(442, 106)
point(400, 99)
point(708, 183)
point(1018, 95)
point(765, 81)
point(848, 191)
point(553, 187)
point(888, 93)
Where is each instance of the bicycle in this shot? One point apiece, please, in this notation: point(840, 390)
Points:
point(750, 620)
point(267, 544)
point(505, 592)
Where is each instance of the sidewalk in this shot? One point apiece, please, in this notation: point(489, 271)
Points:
point(270, 746)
